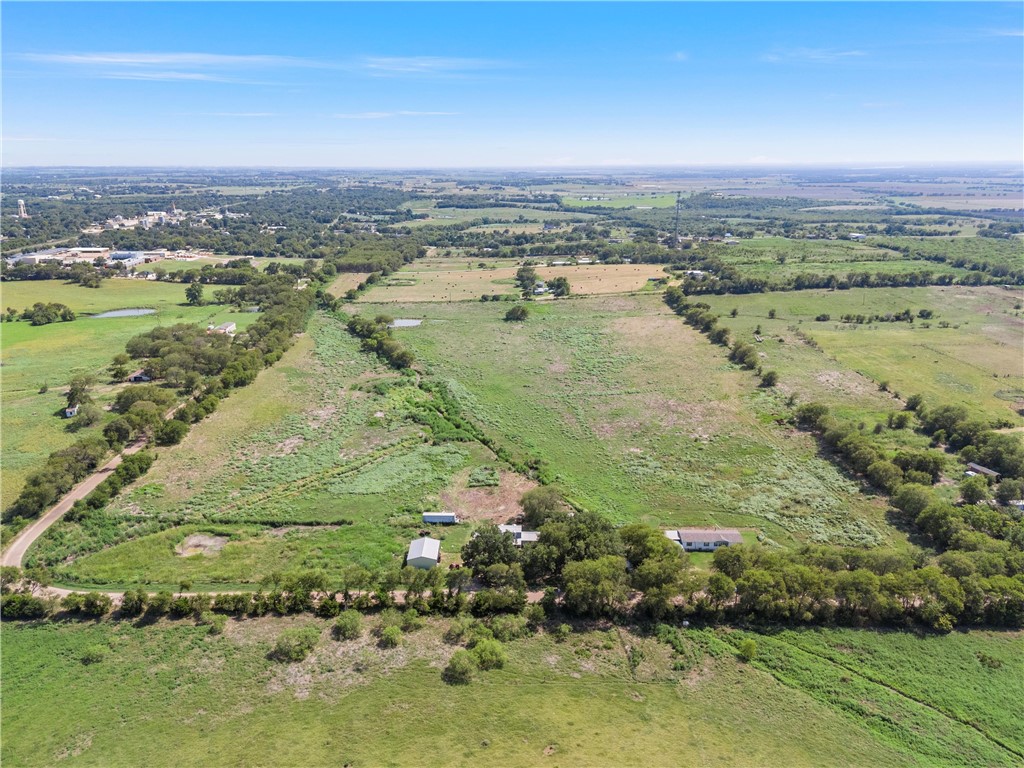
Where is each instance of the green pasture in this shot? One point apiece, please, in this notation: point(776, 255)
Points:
point(976, 361)
point(617, 200)
point(170, 694)
point(638, 417)
point(50, 355)
point(445, 216)
point(305, 468)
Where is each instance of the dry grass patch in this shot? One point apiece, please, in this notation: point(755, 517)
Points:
point(497, 504)
point(200, 544)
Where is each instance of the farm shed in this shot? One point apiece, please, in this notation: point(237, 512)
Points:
point(443, 518)
point(71, 411)
point(424, 553)
point(704, 539)
point(139, 375)
point(977, 468)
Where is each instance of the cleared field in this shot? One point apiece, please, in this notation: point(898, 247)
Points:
point(619, 200)
point(512, 214)
point(50, 355)
point(345, 282)
point(415, 285)
point(169, 694)
point(639, 417)
point(977, 361)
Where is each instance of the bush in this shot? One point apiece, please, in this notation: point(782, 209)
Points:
point(411, 620)
point(215, 621)
point(22, 606)
point(748, 649)
point(134, 602)
point(506, 628)
point(94, 654)
point(295, 644)
point(460, 668)
point(348, 626)
point(95, 604)
point(391, 637)
point(489, 654)
point(562, 633)
point(517, 314)
point(769, 379)
point(171, 432)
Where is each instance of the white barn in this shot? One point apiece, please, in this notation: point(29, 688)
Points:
point(443, 518)
point(424, 553)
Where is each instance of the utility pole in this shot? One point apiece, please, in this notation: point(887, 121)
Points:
point(679, 204)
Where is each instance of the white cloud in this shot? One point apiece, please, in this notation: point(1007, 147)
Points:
point(183, 60)
point(679, 56)
point(390, 66)
point(811, 55)
point(201, 77)
point(383, 115)
point(1006, 32)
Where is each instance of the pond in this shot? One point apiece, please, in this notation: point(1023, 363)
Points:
point(125, 313)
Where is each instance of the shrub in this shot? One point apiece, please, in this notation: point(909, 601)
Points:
point(160, 603)
point(348, 626)
point(328, 607)
point(769, 379)
point(506, 628)
point(489, 654)
point(295, 644)
point(391, 637)
point(517, 314)
point(171, 432)
point(411, 620)
point(215, 621)
point(460, 668)
point(134, 602)
point(94, 654)
point(748, 649)
point(562, 633)
point(95, 604)
point(22, 606)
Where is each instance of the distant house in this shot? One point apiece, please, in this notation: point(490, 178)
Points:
point(441, 518)
point(424, 553)
point(227, 328)
point(71, 411)
point(521, 537)
point(856, 236)
point(704, 539)
point(540, 287)
point(980, 470)
point(139, 376)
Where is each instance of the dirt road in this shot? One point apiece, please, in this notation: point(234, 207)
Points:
point(15, 553)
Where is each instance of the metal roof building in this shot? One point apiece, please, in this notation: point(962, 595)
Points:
point(424, 553)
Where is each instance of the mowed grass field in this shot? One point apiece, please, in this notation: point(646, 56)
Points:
point(512, 214)
point(618, 200)
point(421, 282)
point(169, 694)
point(639, 417)
point(50, 355)
point(977, 361)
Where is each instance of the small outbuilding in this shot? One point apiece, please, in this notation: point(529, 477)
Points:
point(139, 376)
point(980, 470)
point(424, 553)
point(440, 518)
point(705, 539)
point(71, 411)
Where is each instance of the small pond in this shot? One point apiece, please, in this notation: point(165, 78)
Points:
point(125, 313)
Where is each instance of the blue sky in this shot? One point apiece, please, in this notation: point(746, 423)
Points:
point(495, 84)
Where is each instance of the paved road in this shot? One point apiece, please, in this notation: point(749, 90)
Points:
point(15, 553)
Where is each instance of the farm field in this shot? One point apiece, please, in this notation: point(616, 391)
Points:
point(50, 355)
point(639, 417)
point(511, 214)
point(620, 200)
point(346, 281)
point(314, 465)
point(976, 361)
point(413, 284)
point(170, 694)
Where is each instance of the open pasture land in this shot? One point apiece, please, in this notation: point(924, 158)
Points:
point(512, 214)
point(778, 258)
point(169, 694)
point(638, 417)
point(317, 464)
point(346, 281)
point(1005, 253)
point(51, 355)
point(632, 199)
point(412, 284)
point(976, 362)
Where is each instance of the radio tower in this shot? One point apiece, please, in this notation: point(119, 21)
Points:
point(679, 204)
point(22, 213)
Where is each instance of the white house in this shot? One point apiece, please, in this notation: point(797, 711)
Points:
point(442, 518)
point(424, 553)
point(519, 534)
point(704, 539)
